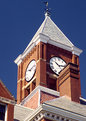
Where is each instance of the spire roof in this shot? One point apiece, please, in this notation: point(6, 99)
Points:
point(50, 29)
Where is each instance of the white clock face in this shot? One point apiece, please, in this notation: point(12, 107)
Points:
point(57, 64)
point(30, 71)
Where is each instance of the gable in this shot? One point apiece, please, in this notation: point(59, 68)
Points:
point(4, 92)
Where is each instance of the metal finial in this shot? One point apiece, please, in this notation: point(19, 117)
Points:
point(46, 3)
point(47, 10)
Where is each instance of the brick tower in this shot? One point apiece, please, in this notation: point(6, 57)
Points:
point(48, 67)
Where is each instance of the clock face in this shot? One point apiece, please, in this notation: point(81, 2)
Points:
point(57, 64)
point(30, 71)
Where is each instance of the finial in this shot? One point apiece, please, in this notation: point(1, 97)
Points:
point(47, 10)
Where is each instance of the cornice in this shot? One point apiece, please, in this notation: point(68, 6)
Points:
point(76, 51)
point(18, 60)
point(45, 39)
point(53, 113)
point(7, 101)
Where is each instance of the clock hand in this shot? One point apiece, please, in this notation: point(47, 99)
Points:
point(31, 68)
point(57, 64)
point(62, 65)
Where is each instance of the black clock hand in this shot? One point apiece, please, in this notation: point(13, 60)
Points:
point(57, 64)
point(62, 65)
point(31, 68)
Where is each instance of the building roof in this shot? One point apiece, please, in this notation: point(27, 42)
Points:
point(50, 29)
point(66, 104)
point(57, 109)
point(7, 93)
point(21, 112)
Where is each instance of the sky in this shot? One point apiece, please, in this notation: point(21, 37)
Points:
point(19, 21)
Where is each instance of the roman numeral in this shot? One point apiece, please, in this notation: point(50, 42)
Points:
point(52, 67)
point(51, 63)
point(55, 71)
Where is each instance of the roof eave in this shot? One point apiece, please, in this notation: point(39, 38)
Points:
point(76, 51)
point(45, 39)
point(46, 111)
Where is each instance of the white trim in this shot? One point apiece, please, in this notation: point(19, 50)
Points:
point(64, 112)
point(34, 113)
point(8, 101)
point(18, 60)
point(28, 50)
point(49, 91)
point(41, 38)
point(5, 110)
point(29, 82)
point(82, 99)
point(6, 113)
point(21, 106)
point(45, 109)
point(46, 39)
point(39, 98)
point(76, 51)
point(60, 45)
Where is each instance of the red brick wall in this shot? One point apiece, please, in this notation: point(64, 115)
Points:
point(75, 90)
point(40, 57)
point(33, 101)
point(10, 112)
point(39, 98)
point(65, 88)
point(42, 54)
point(21, 93)
point(69, 82)
point(46, 97)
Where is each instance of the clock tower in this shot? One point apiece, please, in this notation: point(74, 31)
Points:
point(48, 68)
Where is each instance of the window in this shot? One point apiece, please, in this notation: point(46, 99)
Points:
point(42, 51)
point(52, 84)
point(75, 60)
point(38, 53)
point(28, 91)
point(33, 85)
point(2, 112)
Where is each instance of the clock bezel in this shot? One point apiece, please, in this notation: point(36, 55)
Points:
point(61, 69)
point(26, 70)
